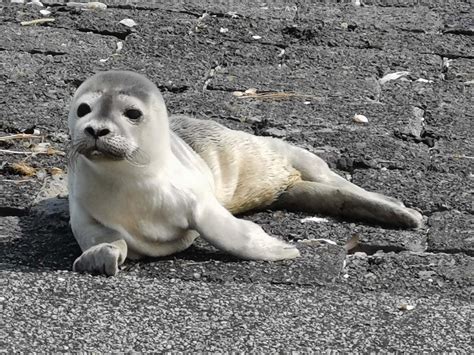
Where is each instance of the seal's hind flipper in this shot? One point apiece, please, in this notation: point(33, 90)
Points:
point(314, 197)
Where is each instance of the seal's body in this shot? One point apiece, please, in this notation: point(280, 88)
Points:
point(143, 186)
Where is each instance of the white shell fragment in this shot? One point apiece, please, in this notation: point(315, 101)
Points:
point(256, 37)
point(45, 12)
point(393, 76)
point(223, 30)
point(119, 47)
point(314, 219)
point(421, 80)
point(360, 118)
point(406, 307)
point(128, 22)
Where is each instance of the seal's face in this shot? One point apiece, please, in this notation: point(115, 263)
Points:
point(117, 116)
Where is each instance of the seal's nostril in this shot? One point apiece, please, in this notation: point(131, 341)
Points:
point(90, 131)
point(96, 133)
point(103, 132)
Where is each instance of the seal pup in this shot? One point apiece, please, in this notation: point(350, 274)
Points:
point(141, 184)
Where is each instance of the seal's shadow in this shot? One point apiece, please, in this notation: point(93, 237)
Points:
point(45, 241)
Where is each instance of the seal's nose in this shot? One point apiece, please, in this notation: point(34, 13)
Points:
point(96, 133)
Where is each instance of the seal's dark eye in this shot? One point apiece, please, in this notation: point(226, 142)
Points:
point(83, 110)
point(133, 114)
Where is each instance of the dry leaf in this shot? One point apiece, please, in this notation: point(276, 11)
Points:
point(56, 171)
point(23, 169)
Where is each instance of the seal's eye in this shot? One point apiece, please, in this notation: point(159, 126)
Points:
point(133, 114)
point(83, 110)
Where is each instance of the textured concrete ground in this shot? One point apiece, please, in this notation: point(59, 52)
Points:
point(334, 59)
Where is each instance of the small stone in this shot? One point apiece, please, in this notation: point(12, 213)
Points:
point(45, 12)
point(238, 93)
point(406, 307)
point(276, 132)
point(196, 275)
point(128, 22)
point(223, 30)
point(393, 76)
point(360, 118)
point(360, 254)
point(251, 91)
point(36, 3)
point(421, 80)
point(119, 47)
point(256, 37)
point(93, 5)
point(17, 1)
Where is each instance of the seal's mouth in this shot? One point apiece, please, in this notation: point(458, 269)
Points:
point(113, 148)
point(103, 150)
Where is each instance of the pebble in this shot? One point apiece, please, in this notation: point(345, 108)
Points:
point(393, 76)
point(360, 119)
point(128, 22)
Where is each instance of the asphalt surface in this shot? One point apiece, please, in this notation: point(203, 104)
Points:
point(396, 290)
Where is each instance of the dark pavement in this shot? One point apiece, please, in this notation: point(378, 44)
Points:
point(396, 290)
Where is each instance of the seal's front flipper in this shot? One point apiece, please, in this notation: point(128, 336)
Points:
point(238, 237)
point(104, 258)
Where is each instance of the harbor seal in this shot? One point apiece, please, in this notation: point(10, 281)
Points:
point(142, 184)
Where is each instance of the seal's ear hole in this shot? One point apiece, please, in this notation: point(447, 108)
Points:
point(133, 114)
point(83, 110)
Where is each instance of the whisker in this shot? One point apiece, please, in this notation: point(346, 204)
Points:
point(138, 157)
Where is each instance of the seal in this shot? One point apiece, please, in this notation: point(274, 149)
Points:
point(142, 184)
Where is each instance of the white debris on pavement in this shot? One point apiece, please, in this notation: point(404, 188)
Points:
point(128, 22)
point(36, 3)
point(393, 76)
point(314, 219)
point(360, 118)
point(421, 80)
point(93, 5)
point(405, 307)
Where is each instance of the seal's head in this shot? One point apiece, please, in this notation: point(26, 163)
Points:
point(118, 116)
